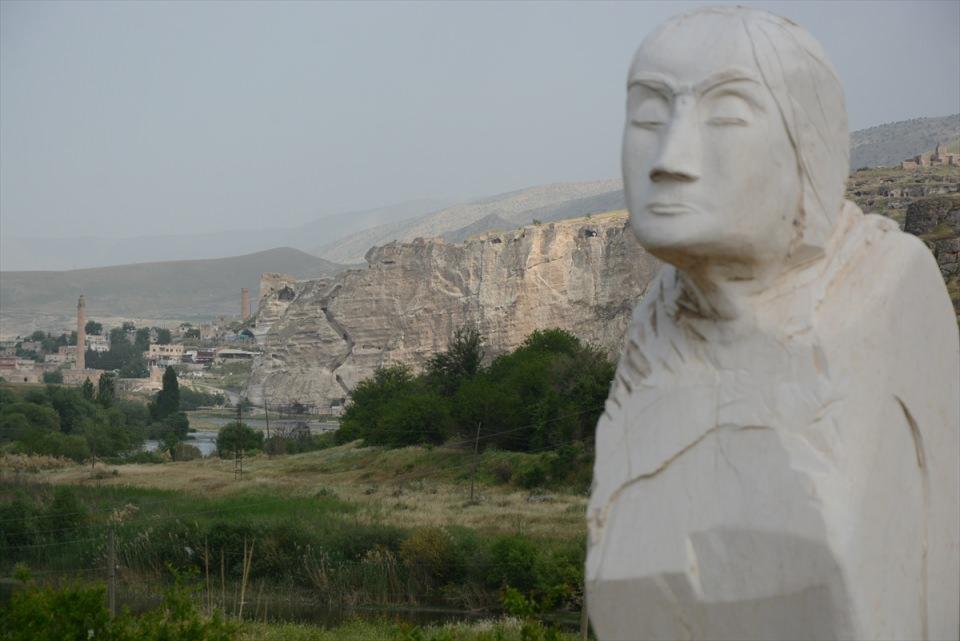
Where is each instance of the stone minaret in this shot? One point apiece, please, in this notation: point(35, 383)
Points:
point(244, 303)
point(81, 333)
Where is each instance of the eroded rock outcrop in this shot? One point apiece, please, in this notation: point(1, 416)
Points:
point(582, 275)
point(937, 222)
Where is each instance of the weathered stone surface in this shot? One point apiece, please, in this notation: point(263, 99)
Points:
point(928, 214)
point(777, 458)
point(581, 275)
point(937, 222)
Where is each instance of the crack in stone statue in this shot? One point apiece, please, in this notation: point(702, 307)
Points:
point(778, 457)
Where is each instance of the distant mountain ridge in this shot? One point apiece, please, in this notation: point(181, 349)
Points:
point(543, 202)
point(187, 290)
point(35, 253)
point(888, 144)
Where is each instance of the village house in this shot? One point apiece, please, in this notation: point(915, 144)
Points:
point(98, 343)
point(17, 370)
point(234, 355)
point(938, 158)
point(167, 354)
point(56, 358)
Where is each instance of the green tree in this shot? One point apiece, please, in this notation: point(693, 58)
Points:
point(128, 326)
point(552, 390)
point(106, 390)
point(461, 361)
point(87, 389)
point(49, 344)
point(53, 378)
point(192, 333)
point(93, 328)
point(370, 399)
point(238, 436)
point(164, 337)
point(168, 398)
point(172, 430)
point(142, 339)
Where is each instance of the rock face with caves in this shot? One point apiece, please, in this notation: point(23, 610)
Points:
point(321, 337)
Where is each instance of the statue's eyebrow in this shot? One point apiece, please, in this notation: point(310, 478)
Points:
point(655, 82)
point(726, 76)
point(667, 88)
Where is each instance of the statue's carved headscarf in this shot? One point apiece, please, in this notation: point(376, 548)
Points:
point(809, 95)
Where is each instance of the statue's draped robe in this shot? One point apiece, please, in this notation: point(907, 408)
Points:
point(794, 475)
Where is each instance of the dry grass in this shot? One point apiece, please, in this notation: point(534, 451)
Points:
point(31, 463)
point(406, 487)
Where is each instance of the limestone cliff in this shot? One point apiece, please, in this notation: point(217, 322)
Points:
point(321, 337)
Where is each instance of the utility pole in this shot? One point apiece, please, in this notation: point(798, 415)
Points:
point(112, 571)
point(238, 449)
point(584, 617)
point(266, 409)
point(476, 461)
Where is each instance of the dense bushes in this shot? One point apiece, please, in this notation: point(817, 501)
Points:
point(544, 395)
point(191, 399)
point(63, 421)
point(238, 436)
point(317, 543)
point(77, 611)
point(30, 523)
point(124, 356)
point(298, 442)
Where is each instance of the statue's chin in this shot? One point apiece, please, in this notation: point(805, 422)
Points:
point(683, 239)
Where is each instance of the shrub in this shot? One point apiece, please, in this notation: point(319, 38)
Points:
point(79, 612)
point(532, 474)
point(53, 614)
point(65, 515)
point(141, 457)
point(512, 562)
point(238, 436)
point(191, 399)
point(19, 524)
point(502, 471)
point(185, 452)
point(428, 553)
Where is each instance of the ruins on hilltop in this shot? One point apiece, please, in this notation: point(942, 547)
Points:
point(937, 158)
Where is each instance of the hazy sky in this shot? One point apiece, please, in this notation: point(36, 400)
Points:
point(131, 118)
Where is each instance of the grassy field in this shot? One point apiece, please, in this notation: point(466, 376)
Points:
point(413, 486)
point(507, 629)
point(341, 532)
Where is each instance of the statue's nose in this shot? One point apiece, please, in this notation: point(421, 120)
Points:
point(679, 157)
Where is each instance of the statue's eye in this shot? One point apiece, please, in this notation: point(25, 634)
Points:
point(727, 109)
point(651, 113)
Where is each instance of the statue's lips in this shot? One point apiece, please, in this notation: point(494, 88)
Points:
point(669, 209)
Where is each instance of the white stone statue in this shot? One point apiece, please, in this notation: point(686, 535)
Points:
point(779, 454)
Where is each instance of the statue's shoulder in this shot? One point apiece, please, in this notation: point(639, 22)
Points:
point(887, 276)
point(900, 257)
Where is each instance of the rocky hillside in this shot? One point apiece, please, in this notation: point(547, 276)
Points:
point(936, 221)
point(890, 190)
point(322, 337)
point(887, 145)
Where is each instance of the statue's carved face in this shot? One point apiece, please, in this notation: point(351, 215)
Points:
point(709, 170)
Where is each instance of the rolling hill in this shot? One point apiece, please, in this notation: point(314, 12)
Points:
point(888, 144)
point(516, 208)
point(36, 253)
point(182, 290)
